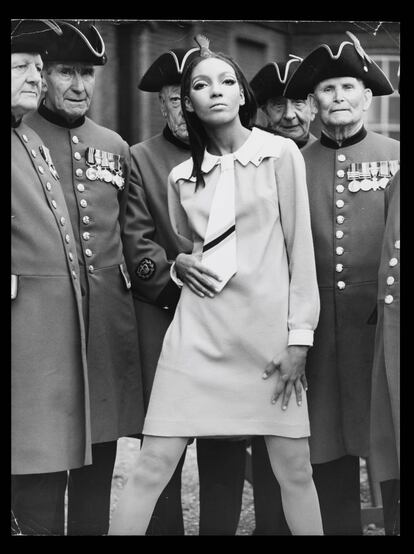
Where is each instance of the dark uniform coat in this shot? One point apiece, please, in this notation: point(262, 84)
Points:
point(95, 208)
point(50, 398)
point(151, 245)
point(347, 231)
point(385, 402)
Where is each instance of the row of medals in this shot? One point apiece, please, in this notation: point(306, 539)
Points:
point(371, 175)
point(104, 166)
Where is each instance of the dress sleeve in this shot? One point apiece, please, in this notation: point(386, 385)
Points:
point(294, 209)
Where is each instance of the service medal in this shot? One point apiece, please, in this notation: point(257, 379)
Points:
point(366, 183)
point(353, 176)
point(384, 174)
point(91, 173)
point(354, 186)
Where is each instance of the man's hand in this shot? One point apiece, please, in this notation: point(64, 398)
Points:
point(290, 369)
point(195, 275)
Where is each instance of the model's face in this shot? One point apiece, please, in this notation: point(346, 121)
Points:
point(26, 83)
point(289, 118)
point(170, 102)
point(69, 88)
point(341, 101)
point(215, 94)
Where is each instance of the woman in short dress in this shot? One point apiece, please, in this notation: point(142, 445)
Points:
point(233, 355)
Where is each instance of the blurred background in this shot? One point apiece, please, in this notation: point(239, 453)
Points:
point(132, 46)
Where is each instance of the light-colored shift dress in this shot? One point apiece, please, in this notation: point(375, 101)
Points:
point(208, 380)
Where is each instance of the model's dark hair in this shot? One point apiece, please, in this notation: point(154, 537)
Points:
point(196, 133)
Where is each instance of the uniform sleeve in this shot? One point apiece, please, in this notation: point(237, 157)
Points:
point(304, 303)
point(146, 260)
point(178, 216)
point(123, 195)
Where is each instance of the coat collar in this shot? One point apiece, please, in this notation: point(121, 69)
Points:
point(330, 143)
point(57, 119)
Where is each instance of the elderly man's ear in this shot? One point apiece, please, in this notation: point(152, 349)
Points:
point(44, 84)
point(313, 105)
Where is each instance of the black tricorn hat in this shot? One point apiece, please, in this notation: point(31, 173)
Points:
point(33, 35)
point(347, 59)
point(79, 42)
point(270, 81)
point(167, 69)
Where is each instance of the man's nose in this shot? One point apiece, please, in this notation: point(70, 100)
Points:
point(289, 111)
point(33, 74)
point(77, 82)
point(338, 94)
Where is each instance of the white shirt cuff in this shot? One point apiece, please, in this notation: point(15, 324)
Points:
point(303, 337)
point(174, 276)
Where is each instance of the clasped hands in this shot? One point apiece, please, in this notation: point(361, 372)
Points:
point(289, 367)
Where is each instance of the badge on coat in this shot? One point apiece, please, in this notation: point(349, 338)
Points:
point(368, 176)
point(145, 269)
point(48, 159)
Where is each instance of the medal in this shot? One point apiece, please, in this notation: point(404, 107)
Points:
point(366, 183)
point(353, 176)
point(91, 172)
point(120, 181)
point(374, 170)
point(106, 174)
point(48, 159)
point(384, 174)
point(98, 160)
point(394, 166)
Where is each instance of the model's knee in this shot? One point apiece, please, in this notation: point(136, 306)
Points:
point(153, 470)
point(296, 470)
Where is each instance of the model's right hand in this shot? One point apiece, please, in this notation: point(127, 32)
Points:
point(195, 275)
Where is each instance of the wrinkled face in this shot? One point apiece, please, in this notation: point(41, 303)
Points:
point(289, 118)
point(215, 94)
point(341, 101)
point(69, 88)
point(26, 82)
point(170, 102)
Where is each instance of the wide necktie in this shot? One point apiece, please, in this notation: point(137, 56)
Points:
point(219, 250)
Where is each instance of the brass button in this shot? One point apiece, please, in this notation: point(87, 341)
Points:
point(41, 170)
point(77, 156)
point(340, 188)
point(88, 252)
point(34, 153)
point(341, 157)
point(339, 234)
point(48, 186)
point(389, 299)
point(83, 203)
point(390, 280)
point(74, 274)
point(70, 256)
point(341, 285)
point(340, 203)
point(62, 221)
point(25, 138)
point(393, 262)
point(397, 244)
point(86, 220)
point(86, 236)
point(340, 173)
point(91, 269)
point(339, 268)
point(54, 204)
point(79, 172)
point(339, 250)
point(75, 139)
point(67, 238)
point(80, 187)
point(340, 219)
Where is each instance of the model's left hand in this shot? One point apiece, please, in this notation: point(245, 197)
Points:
point(290, 367)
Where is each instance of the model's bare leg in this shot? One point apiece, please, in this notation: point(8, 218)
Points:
point(155, 465)
point(291, 465)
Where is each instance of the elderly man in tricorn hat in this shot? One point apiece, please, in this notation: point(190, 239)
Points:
point(94, 164)
point(150, 248)
point(287, 117)
point(50, 427)
point(347, 171)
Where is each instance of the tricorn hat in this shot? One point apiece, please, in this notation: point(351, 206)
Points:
point(33, 35)
point(270, 81)
point(79, 42)
point(347, 59)
point(167, 69)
